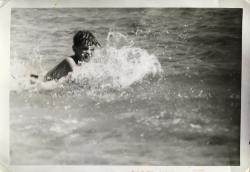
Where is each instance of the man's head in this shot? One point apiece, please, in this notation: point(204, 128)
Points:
point(84, 45)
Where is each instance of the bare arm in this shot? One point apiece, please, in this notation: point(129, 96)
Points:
point(61, 70)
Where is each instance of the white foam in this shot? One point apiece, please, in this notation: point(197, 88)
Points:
point(117, 65)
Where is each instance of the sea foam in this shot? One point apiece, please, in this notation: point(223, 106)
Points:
point(117, 65)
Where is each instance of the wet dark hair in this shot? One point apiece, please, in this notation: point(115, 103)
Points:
point(85, 37)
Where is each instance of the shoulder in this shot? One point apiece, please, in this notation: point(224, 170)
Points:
point(70, 62)
point(61, 70)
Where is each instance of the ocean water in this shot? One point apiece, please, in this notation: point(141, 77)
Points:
point(163, 89)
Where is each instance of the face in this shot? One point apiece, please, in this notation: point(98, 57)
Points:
point(84, 53)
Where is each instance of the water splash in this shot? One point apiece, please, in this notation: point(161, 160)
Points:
point(116, 66)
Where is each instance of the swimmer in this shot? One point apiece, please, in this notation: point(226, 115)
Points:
point(84, 46)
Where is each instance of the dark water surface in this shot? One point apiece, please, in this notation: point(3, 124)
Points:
point(164, 88)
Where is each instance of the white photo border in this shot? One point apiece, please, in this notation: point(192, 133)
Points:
point(5, 13)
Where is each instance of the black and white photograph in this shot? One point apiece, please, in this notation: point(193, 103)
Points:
point(125, 86)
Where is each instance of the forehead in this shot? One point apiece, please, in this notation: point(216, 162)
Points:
point(86, 46)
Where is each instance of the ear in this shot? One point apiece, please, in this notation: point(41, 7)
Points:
point(74, 48)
